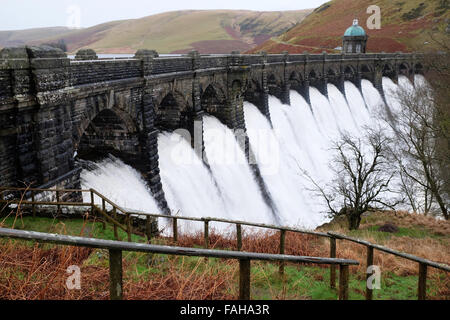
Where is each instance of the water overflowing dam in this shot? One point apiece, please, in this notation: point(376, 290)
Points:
point(298, 140)
point(264, 120)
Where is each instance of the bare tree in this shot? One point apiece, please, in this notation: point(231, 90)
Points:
point(416, 148)
point(363, 174)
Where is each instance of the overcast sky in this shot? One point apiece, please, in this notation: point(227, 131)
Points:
point(24, 14)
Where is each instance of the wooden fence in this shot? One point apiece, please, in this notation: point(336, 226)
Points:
point(117, 210)
point(116, 247)
point(423, 263)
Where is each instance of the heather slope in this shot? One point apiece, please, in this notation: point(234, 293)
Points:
point(405, 26)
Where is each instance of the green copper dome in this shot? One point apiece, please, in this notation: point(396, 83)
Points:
point(355, 30)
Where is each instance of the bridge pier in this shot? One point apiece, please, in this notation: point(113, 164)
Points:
point(323, 87)
point(285, 93)
point(340, 84)
point(378, 82)
point(149, 142)
point(257, 92)
point(358, 80)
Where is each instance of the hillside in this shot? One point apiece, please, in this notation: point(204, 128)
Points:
point(405, 26)
point(210, 31)
point(21, 37)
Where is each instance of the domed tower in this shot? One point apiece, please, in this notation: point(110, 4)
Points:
point(355, 39)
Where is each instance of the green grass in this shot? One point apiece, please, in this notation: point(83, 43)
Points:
point(299, 282)
point(73, 227)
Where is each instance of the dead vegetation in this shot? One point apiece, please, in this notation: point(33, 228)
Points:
point(35, 271)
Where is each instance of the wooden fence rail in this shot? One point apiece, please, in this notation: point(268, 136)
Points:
point(423, 263)
point(116, 247)
point(117, 210)
point(206, 221)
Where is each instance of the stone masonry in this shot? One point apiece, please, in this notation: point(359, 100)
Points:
point(52, 107)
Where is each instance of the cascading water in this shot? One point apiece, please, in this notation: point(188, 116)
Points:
point(229, 167)
point(297, 142)
point(187, 183)
point(113, 178)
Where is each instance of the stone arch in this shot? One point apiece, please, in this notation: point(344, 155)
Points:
point(256, 95)
point(236, 88)
point(213, 90)
point(275, 86)
point(219, 85)
point(171, 111)
point(418, 68)
point(254, 85)
point(213, 101)
point(111, 130)
point(366, 72)
point(404, 69)
point(295, 79)
point(94, 106)
point(331, 72)
point(315, 79)
point(272, 80)
point(389, 71)
point(349, 71)
point(253, 91)
point(313, 75)
point(334, 77)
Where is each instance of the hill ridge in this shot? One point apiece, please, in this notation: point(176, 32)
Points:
point(179, 31)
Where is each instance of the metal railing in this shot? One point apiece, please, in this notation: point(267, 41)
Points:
point(116, 247)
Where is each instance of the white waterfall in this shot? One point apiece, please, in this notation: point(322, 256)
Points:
point(120, 183)
point(299, 141)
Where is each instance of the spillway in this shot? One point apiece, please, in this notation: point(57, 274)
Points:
point(297, 142)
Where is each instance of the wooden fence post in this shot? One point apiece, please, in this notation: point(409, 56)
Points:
point(57, 200)
point(206, 234)
point(332, 267)
point(115, 275)
point(343, 282)
point(92, 202)
point(244, 279)
point(239, 236)
point(175, 229)
point(33, 206)
point(282, 246)
point(104, 210)
point(422, 288)
point(148, 229)
point(116, 234)
point(129, 226)
point(369, 291)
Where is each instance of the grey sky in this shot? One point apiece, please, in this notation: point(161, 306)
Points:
point(24, 14)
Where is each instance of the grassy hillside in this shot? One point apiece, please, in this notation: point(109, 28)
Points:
point(21, 37)
point(405, 26)
point(212, 31)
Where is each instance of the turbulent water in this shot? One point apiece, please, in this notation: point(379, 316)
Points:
point(298, 142)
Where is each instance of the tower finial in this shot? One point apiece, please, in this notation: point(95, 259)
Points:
point(355, 22)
